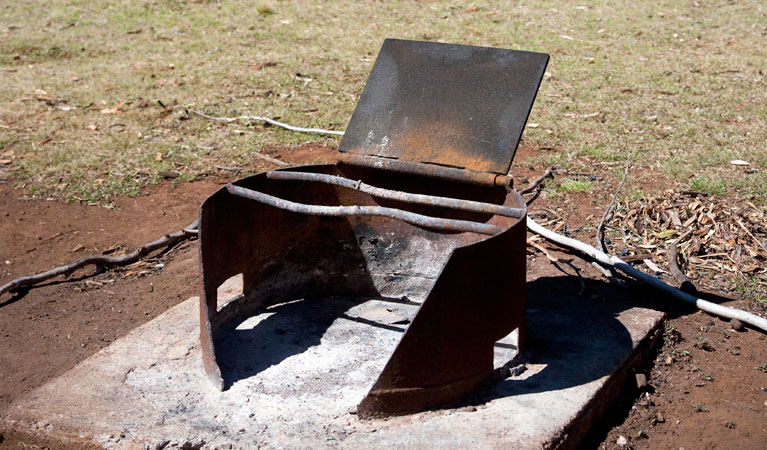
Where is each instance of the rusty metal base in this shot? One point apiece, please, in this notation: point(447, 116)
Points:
point(470, 286)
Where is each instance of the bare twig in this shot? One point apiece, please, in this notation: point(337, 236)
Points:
point(547, 174)
point(569, 262)
point(356, 210)
point(684, 283)
point(557, 261)
point(269, 159)
point(102, 260)
point(235, 170)
point(540, 248)
point(604, 259)
point(445, 202)
point(606, 217)
point(752, 236)
point(608, 214)
point(267, 120)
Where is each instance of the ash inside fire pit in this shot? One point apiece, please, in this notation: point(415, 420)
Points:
point(334, 345)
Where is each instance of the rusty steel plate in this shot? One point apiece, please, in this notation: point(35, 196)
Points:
point(456, 106)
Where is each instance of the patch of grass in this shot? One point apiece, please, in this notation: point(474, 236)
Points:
point(708, 184)
point(751, 288)
point(102, 191)
point(600, 152)
point(685, 85)
point(570, 185)
point(761, 367)
point(699, 407)
point(264, 10)
point(631, 192)
point(24, 52)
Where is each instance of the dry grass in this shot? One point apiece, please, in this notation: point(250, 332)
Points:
point(681, 81)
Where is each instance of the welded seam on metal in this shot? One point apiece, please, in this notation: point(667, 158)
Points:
point(446, 202)
point(356, 210)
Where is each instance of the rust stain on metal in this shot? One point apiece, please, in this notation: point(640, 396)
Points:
point(423, 168)
point(452, 105)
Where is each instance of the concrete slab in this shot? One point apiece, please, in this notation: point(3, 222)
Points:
point(298, 371)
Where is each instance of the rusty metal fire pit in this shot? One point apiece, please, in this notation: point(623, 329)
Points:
point(418, 208)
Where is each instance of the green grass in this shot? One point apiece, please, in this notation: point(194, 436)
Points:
point(572, 185)
point(264, 10)
point(699, 407)
point(750, 287)
point(683, 82)
point(709, 184)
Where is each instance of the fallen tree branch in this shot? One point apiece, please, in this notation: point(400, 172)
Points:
point(547, 174)
point(356, 210)
point(617, 263)
point(684, 283)
point(102, 260)
point(445, 202)
point(267, 120)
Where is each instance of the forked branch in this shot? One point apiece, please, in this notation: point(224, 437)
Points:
point(102, 260)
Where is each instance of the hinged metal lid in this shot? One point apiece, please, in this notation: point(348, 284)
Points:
point(451, 105)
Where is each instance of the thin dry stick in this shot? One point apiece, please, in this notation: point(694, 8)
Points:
point(555, 262)
point(752, 236)
point(547, 174)
point(604, 259)
point(569, 262)
point(608, 215)
point(445, 202)
point(267, 120)
point(269, 159)
point(356, 210)
point(102, 260)
point(540, 248)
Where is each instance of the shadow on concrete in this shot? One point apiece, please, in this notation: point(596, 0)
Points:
point(289, 329)
point(577, 337)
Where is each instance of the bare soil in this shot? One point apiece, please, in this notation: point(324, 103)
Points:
point(707, 387)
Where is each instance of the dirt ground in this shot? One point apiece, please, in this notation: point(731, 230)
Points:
point(707, 387)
